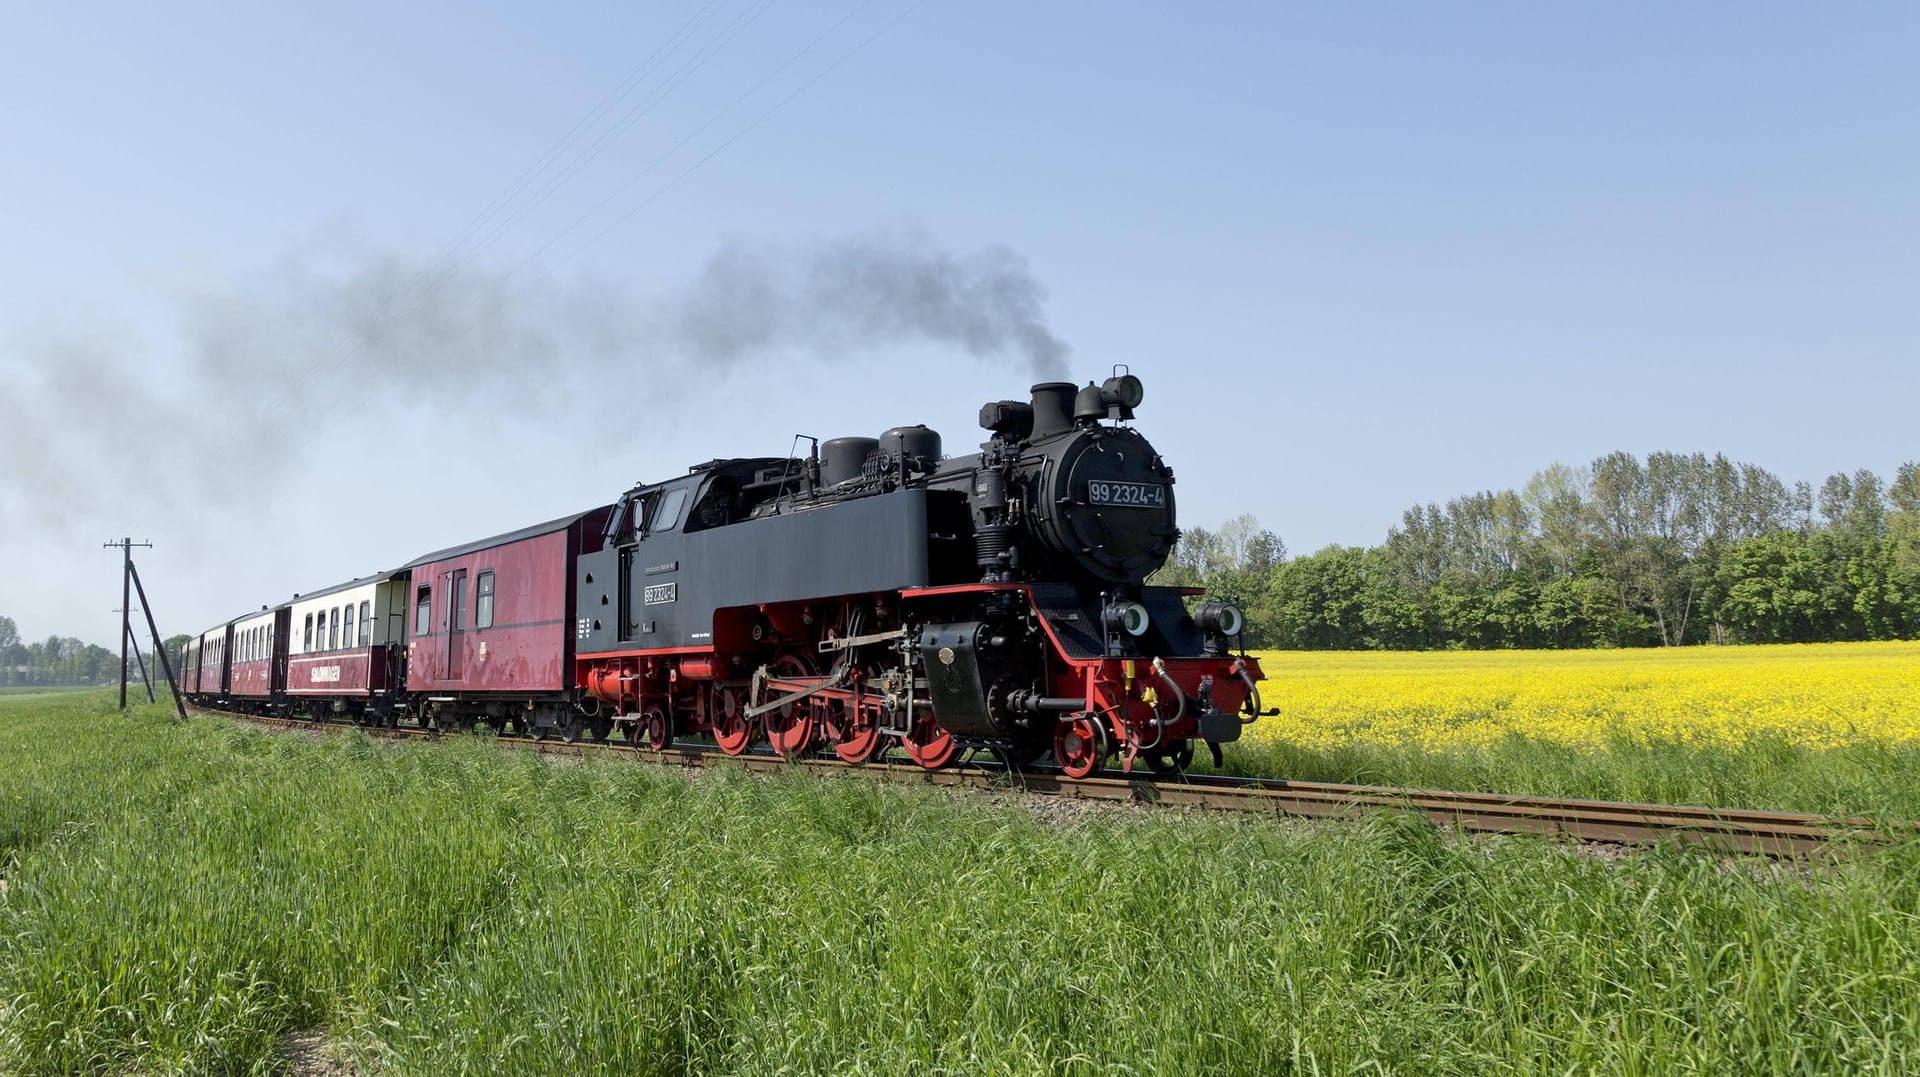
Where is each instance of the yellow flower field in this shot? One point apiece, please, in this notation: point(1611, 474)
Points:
point(1816, 696)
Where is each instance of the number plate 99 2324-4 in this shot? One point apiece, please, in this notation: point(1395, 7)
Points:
point(1144, 495)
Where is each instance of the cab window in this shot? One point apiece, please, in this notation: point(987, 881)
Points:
point(659, 511)
point(670, 506)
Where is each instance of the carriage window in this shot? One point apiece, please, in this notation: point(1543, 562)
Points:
point(422, 607)
point(320, 632)
point(333, 631)
point(483, 601)
point(308, 645)
point(366, 625)
point(353, 628)
point(269, 641)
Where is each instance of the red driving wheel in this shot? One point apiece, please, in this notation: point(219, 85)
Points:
point(854, 727)
point(790, 728)
point(727, 718)
point(1079, 746)
point(929, 744)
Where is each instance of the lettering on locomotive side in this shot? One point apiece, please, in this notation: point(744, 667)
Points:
point(659, 594)
point(1146, 495)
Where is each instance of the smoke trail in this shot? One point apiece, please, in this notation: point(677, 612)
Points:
point(305, 359)
point(866, 291)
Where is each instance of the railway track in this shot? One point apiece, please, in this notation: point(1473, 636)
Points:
point(1770, 833)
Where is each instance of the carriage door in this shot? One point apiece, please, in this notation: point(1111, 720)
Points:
point(456, 622)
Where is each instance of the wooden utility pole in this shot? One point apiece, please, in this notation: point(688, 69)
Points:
point(159, 645)
point(129, 583)
point(142, 663)
point(126, 546)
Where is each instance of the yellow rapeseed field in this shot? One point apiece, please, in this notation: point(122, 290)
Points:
point(1817, 695)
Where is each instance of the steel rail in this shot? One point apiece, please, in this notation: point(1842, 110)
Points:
point(1771, 833)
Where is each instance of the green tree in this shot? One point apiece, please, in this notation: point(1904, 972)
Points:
point(1315, 600)
point(11, 653)
point(1777, 590)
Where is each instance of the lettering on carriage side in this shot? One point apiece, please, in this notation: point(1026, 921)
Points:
point(326, 674)
point(659, 594)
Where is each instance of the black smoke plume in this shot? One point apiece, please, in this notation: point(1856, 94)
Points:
point(341, 344)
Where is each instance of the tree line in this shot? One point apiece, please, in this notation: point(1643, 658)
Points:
point(63, 660)
point(1673, 549)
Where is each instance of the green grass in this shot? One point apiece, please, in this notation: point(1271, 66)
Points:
point(180, 897)
point(1874, 779)
point(16, 691)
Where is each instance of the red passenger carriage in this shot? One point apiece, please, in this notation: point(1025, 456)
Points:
point(493, 626)
point(345, 649)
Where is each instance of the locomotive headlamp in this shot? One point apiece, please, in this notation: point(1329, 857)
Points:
point(1124, 390)
point(1128, 617)
point(1221, 617)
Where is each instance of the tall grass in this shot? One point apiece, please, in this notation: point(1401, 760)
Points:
point(181, 896)
point(1868, 778)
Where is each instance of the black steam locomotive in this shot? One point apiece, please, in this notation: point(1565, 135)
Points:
point(876, 591)
point(868, 595)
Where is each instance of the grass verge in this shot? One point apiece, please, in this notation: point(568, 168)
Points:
point(180, 897)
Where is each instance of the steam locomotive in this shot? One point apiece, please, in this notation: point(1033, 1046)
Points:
point(871, 594)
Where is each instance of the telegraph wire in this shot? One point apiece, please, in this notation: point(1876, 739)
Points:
point(359, 352)
point(445, 262)
point(633, 116)
point(408, 297)
point(626, 86)
point(697, 132)
point(735, 137)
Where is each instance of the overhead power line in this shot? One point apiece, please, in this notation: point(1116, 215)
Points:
point(735, 137)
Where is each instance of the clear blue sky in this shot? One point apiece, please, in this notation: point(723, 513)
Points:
point(1362, 255)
